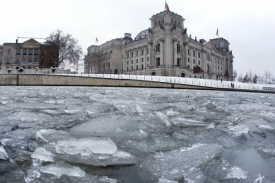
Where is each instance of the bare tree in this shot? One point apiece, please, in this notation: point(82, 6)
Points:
point(63, 49)
point(267, 75)
point(240, 78)
point(95, 61)
point(235, 74)
point(255, 79)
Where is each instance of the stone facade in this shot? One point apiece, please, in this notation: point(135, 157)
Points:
point(165, 49)
point(27, 55)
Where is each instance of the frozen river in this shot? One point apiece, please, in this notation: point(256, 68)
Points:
point(135, 135)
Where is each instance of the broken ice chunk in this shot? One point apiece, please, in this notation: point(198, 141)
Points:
point(183, 122)
point(51, 135)
point(43, 155)
point(170, 112)
point(161, 180)
point(122, 154)
point(163, 118)
point(71, 111)
point(103, 145)
point(179, 136)
point(210, 106)
point(269, 151)
point(181, 160)
point(139, 109)
point(264, 127)
point(237, 173)
point(210, 126)
point(238, 129)
point(4, 102)
point(63, 169)
point(50, 102)
point(3, 153)
point(93, 151)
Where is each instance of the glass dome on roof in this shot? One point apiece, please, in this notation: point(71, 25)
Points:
point(142, 34)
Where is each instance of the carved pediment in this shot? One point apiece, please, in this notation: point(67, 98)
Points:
point(31, 42)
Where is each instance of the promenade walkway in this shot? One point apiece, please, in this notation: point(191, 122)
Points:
point(192, 83)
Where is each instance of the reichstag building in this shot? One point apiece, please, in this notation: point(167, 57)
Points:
point(164, 49)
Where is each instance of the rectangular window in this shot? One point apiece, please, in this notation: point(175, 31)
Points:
point(127, 69)
point(194, 53)
point(199, 62)
point(142, 52)
point(141, 67)
point(132, 68)
point(147, 51)
point(158, 48)
point(199, 55)
point(188, 52)
point(221, 68)
point(158, 62)
point(17, 60)
point(194, 61)
point(9, 51)
point(132, 61)
point(127, 62)
point(141, 59)
point(178, 48)
point(137, 61)
point(30, 51)
point(29, 67)
point(136, 53)
point(147, 59)
point(188, 66)
point(137, 67)
point(188, 60)
point(132, 54)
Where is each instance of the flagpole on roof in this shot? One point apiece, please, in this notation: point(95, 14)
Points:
point(166, 7)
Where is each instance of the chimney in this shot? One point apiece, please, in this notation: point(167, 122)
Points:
point(127, 35)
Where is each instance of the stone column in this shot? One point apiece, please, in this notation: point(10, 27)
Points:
point(175, 53)
point(149, 53)
point(186, 56)
point(161, 52)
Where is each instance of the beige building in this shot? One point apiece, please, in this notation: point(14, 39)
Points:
point(27, 55)
point(164, 49)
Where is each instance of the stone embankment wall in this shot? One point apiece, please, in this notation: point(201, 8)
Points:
point(60, 80)
point(63, 80)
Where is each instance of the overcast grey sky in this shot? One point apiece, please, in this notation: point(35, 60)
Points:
point(249, 25)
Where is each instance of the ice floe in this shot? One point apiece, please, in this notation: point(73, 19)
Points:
point(3, 153)
point(238, 129)
point(63, 169)
point(43, 155)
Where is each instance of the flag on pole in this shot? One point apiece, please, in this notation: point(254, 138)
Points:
point(96, 40)
point(166, 7)
point(217, 33)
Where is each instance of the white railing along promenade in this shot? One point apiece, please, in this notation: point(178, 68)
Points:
point(166, 79)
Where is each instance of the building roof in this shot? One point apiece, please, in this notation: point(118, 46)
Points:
point(166, 12)
point(218, 39)
point(142, 34)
